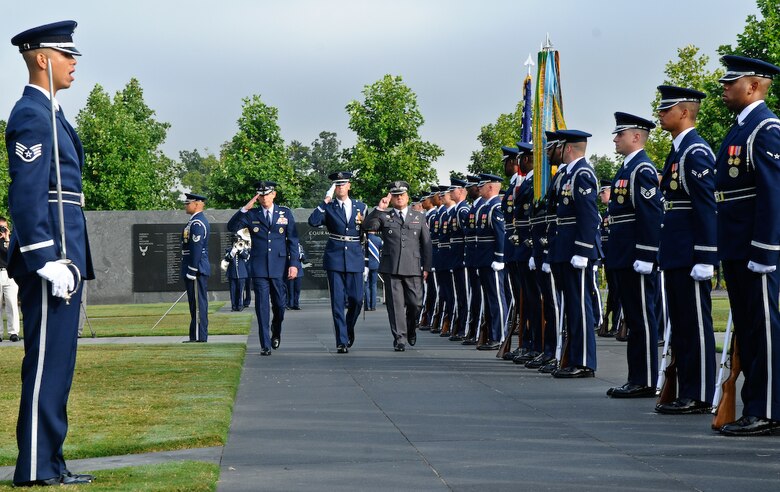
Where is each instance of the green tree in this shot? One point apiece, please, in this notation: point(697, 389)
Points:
point(761, 39)
point(195, 169)
point(124, 168)
point(689, 70)
point(314, 164)
point(505, 131)
point(604, 166)
point(5, 179)
point(256, 152)
point(389, 146)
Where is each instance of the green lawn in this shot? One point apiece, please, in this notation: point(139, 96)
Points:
point(133, 320)
point(178, 476)
point(137, 398)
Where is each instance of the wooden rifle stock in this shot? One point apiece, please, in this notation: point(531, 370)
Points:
point(668, 391)
point(726, 411)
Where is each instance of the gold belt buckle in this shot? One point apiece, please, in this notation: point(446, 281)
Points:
point(719, 196)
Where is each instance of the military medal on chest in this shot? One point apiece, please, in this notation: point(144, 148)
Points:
point(734, 160)
point(673, 184)
point(510, 201)
point(471, 220)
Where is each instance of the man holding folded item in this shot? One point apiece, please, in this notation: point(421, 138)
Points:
point(37, 260)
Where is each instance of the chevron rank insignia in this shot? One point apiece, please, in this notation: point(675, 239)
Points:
point(773, 156)
point(28, 154)
point(585, 191)
point(702, 174)
point(647, 193)
point(195, 238)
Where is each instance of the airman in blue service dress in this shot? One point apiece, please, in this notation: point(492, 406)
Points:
point(457, 223)
point(474, 289)
point(748, 177)
point(489, 258)
point(635, 223)
point(612, 308)
point(688, 250)
point(345, 256)
point(405, 261)
point(50, 322)
point(195, 266)
point(543, 217)
point(442, 261)
point(573, 252)
point(272, 260)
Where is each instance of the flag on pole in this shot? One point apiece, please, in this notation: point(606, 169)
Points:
point(547, 113)
point(525, 129)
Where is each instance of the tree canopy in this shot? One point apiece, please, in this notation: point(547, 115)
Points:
point(505, 131)
point(124, 168)
point(389, 147)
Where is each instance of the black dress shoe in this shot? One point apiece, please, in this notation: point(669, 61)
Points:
point(70, 478)
point(550, 367)
point(265, 351)
point(469, 341)
point(275, 342)
point(489, 345)
point(631, 390)
point(424, 328)
point(539, 361)
point(342, 349)
point(750, 426)
point(412, 339)
point(526, 357)
point(455, 338)
point(610, 390)
point(683, 406)
point(41, 483)
point(435, 330)
point(350, 340)
point(574, 372)
point(400, 347)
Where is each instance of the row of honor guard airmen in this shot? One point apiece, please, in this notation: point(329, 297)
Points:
point(666, 234)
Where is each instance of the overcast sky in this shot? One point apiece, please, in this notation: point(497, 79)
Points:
point(197, 59)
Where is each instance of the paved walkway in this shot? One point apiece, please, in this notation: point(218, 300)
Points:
point(442, 416)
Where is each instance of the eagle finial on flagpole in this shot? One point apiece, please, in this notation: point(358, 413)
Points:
point(529, 63)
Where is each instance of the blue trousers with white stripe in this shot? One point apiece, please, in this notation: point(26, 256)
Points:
point(754, 306)
point(495, 301)
point(693, 341)
point(346, 296)
point(576, 284)
point(50, 340)
point(197, 296)
point(273, 290)
point(638, 297)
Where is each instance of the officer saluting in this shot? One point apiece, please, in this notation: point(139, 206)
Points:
point(272, 260)
point(748, 177)
point(344, 258)
point(50, 322)
point(405, 260)
point(195, 267)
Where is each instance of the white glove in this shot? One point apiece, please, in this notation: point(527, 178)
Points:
point(331, 190)
point(223, 265)
point(546, 268)
point(60, 276)
point(433, 269)
point(497, 266)
point(643, 267)
point(702, 271)
point(233, 251)
point(752, 266)
point(531, 263)
point(191, 277)
point(365, 274)
point(579, 262)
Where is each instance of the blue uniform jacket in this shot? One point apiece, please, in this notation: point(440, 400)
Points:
point(748, 181)
point(635, 212)
point(32, 192)
point(551, 217)
point(470, 233)
point(508, 207)
point(490, 233)
point(195, 246)
point(237, 265)
point(577, 215)
point(524, 206)
point(341, 255)
point(605, 236)
point(434, 224)
point(458, 222)
point(274, 248)
point(689, 232)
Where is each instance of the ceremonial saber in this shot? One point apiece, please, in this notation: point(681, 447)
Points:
point(723, 358)
point(169, 309)
point(61, 214)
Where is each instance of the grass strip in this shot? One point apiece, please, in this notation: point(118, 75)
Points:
point(137, 398)
point(177, 476)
